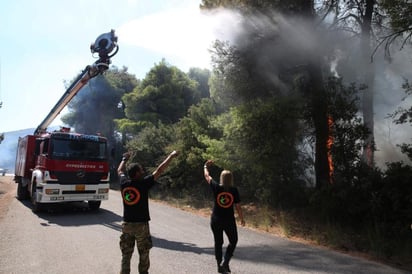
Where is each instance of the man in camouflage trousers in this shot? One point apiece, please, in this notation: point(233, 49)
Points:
point(135, 194)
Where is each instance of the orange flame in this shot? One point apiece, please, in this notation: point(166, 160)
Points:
point(368, 155)
point(329, 145)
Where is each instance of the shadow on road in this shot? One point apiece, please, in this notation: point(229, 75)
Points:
point(299, 257)
point(180, 246)
point(76, 214)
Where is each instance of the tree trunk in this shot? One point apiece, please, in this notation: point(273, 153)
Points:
point(368, 78)
point(320, 120)
point(319, 109)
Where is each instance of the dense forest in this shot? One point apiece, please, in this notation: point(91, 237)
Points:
point(288, 106)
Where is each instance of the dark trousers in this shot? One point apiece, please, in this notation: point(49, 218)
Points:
point(229, 228)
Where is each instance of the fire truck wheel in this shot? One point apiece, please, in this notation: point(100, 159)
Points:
point(94, 205)
point(22, 191)
point(36, 207)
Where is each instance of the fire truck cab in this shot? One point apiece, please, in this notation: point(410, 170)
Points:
point(62, 167)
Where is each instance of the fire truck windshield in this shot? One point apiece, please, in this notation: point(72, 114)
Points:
point(78, 149)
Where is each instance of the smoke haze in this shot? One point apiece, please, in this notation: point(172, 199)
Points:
point(278, 44)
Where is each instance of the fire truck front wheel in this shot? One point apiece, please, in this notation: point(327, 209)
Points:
point(94, 205)
point(36, 207)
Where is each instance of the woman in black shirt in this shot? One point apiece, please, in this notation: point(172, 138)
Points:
point(223, 218)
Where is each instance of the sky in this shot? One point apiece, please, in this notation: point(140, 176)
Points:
point(46, 42)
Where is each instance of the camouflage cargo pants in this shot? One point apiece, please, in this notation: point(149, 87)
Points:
point(138, 233)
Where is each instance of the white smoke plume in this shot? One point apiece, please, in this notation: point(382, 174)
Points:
point(290, 42)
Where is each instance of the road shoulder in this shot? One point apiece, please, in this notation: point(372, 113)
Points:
point(7, 194)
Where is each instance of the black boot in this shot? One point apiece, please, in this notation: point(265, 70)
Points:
point(220, 268)
point(226, 268)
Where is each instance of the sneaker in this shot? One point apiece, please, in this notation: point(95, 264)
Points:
point(220, 269)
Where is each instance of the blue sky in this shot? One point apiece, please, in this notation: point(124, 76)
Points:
point(46, 42)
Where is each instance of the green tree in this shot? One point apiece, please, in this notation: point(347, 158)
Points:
point(190, 132)
point(150, 144)
point(399, 12)
point(260, 140)
point(164, 95)
point(404, 116)
point(201, 76)
point(401, 22)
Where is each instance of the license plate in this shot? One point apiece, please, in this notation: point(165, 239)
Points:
point(80, 187)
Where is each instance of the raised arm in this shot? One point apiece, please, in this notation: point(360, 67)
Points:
point(206, 171)
point(121, 168)
point(159, 170)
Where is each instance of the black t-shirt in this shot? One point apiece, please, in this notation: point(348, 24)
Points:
point(224, 201)
point(135, 196)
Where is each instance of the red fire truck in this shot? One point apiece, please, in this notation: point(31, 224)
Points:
point(64, 166)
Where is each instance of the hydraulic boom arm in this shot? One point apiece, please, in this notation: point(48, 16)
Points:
point(106, 46)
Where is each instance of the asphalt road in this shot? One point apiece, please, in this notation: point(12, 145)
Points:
point(74, 240)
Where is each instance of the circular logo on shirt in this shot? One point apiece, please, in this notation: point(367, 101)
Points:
point(131, 195)
point(225, 199)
